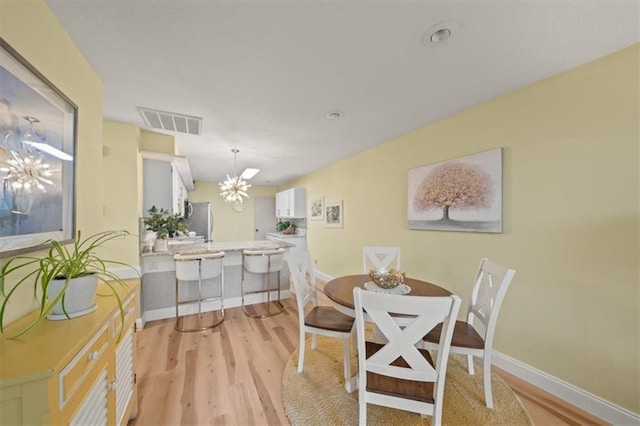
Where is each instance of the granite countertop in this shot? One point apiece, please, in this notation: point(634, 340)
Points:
point(281, 235)
point(213, 247)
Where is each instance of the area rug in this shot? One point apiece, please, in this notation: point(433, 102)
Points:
point(317, 396)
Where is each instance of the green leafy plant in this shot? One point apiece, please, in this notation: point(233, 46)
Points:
point(282, 225)
point(163, 223)
point(62, 262)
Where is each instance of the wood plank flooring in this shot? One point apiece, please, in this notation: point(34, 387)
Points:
point(231, 375)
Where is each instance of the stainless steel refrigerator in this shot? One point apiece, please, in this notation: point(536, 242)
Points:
point(199, 218)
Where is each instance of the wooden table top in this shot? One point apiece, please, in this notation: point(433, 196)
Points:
point(340, 290)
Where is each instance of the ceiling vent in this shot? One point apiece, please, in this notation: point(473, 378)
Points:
point(171, 121)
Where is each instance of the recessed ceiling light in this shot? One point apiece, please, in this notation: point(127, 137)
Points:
point(440, 33)
point(335, 115)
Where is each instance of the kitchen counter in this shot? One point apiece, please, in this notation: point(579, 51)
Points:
point(298, 241)
point(212, 247)
point(158, 277)
point(280, 235)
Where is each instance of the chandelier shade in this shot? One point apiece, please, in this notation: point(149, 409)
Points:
point(234, 189)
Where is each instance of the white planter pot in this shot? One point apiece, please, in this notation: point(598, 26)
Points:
point(161, 244)
point(79, 298)
point(148, 241)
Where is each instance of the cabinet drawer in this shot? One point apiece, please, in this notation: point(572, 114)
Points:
point(73, 374)
point(129, 305)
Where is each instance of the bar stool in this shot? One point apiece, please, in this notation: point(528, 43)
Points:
point(199, 267)
point(263, 262)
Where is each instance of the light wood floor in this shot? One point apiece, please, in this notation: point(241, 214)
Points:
point(231, 375)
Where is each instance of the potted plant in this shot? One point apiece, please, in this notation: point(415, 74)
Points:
point(67, 276)
point(164, 225)
point(286, 227)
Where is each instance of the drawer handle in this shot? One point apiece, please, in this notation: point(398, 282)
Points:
point(129, 311)
point(112, 385)
point(93, 356)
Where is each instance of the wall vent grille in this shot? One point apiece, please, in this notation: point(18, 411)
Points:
point(171, 121)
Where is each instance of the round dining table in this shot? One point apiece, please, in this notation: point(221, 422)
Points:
point(340, 293)
point(340, 290)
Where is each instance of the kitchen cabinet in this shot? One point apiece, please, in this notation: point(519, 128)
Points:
point(166, 182)
point(78, 371)
point(179, 192)
point(291, 203)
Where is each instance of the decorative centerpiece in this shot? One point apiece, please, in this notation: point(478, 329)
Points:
point(387, 279)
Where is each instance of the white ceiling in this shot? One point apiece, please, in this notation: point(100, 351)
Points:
point(264, 74)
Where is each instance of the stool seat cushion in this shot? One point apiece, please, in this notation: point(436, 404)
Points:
point(263, 261)
point(186, 257)
point(263, 252)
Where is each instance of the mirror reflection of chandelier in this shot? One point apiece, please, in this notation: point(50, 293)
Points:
point(235, 188)
point(25, 171)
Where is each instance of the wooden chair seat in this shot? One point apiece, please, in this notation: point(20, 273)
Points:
point(393, 386)
point(464, 335)
point(328, 318)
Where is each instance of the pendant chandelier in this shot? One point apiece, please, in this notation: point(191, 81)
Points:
point(234, 188)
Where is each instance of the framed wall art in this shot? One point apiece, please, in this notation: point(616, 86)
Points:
point(316, 208)
point(464, 194)
point(37, 158)
point(333, 214)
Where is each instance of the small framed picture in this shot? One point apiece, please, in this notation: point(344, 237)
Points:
point(316, 208)
point(333, 214)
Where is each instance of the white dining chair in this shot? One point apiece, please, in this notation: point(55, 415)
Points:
point(491, 284)
point(321, 320)
point(396, 373)
point(380, 258)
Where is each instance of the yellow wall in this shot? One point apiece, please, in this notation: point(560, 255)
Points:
point(157, 142)
point(227, 224)
point(571, 220)
point(121, 165)
point(31, 29)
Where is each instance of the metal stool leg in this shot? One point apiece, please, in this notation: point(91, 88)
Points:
point(269, 311)
point(179, 326)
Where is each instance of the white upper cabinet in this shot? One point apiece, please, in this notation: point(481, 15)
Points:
point(166, 180)
point(179, 192)
point(291, 203)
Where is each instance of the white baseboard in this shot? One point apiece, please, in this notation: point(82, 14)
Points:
point(593, 404)
point(582, 399)
point(322, 276)
point(214, 305)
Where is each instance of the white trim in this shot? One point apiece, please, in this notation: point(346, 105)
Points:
point(140, 323)
point(322, 276)
point(214, 305)
point(592, 404)
point(582, 399)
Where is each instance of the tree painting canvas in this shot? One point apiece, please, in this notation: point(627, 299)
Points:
point(464, 194)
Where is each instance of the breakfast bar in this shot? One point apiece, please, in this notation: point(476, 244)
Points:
point(158, 277)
